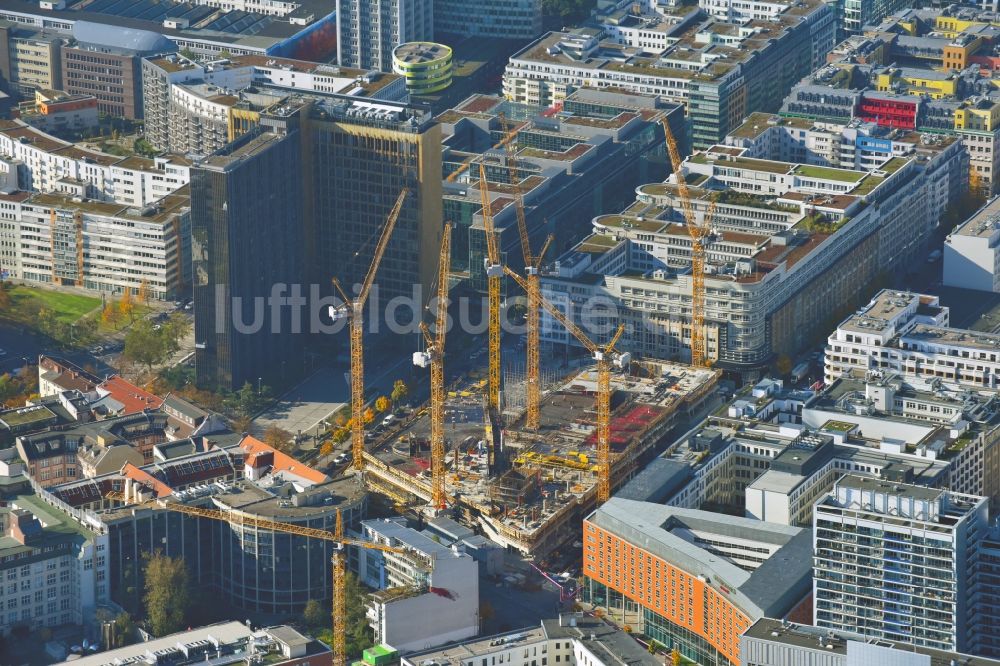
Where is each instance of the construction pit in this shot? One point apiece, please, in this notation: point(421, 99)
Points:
point(542, 483)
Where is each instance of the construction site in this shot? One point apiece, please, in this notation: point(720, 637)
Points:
point(541, 482)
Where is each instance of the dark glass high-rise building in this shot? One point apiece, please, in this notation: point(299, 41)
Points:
point(247, 255)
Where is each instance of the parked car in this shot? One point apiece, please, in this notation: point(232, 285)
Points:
point(340, 459)
point(388, 420)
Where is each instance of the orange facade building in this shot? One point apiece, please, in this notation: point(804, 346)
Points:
point(692, 579)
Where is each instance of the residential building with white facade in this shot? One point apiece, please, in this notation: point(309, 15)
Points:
point(199, 105)
point(53, 570)
point(971, 252)
point(427, 596)
point(369, 30)
point(896, 561)
point(34, 161)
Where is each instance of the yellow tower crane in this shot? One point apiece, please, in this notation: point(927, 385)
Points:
point(494, 273)
point(433, 356)
point(698, 230)
point(464, 166)
point(606, 357)
point(339, 605)
point(353, 309)
point(532, 266)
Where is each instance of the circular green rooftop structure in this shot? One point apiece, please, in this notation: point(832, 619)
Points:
point(427, 66)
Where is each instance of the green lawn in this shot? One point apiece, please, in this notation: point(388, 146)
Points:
point(827, 173)
point(27, 301)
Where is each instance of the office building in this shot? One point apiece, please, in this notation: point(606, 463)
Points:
point(971, 258)
point(777, 643)
point(57, 112)
point(426, 66)
point(102, 247)
point(909, 334)
point(31, 160)
point(987, 577)
point(369, 30)
point(30, 58)
point(583, 162)
point(222, 644)
point(247, 245)
point(200, 105)
point(719, 70)
point(793, 242)
point(253, 569)
point(426, 597)
point(574, 639)
point(501, 19)
point(853, 16)
point(55, 570)
point(692, 580)
point(897, 561)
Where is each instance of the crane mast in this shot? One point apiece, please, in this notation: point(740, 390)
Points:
point(606, 357)
point(494, 273)
point(354, 309)
point(533, 291)
point(698, 230)
point(434, 357)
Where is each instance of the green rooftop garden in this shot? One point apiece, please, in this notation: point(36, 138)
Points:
point(828, 173)
point(29, 415)
point(735, 198)
point(838, 426)
point(867, 185)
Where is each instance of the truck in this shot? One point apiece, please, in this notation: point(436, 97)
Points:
point(800, 371)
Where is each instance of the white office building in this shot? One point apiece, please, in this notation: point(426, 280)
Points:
point(426, 597)
point(971, 253)
point(897, 561)
point(909, 334)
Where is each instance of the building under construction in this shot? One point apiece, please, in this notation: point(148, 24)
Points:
point(533, 494)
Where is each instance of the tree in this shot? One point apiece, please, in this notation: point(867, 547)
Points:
point(382, 403)
point(126, 306)
point(46, 321)
point(4, 297)
point(143, 345)
point(675, 657)
point(486, 611)
point(111, 315)
point(783, 365)
point(168, 593)
point(568, 8)
point(279, 439)
point(368, 416)
point(122, 630)
point(326, 449)
point(242, 423)
point(399, 391)
point(188, 53)
point(143, 294)
point(314, 616)
point(340, 435)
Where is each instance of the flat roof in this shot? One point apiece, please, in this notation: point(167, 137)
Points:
point(890, 488)
point(224, 632)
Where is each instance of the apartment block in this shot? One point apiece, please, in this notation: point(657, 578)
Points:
point(897, 561)
point(250, 568)
point(792, 242)
point(853, 16)
point(924, 70)
point(55, 111)
point(502, 19)
point(971, 257)
point(424, 598)
point(102, 247)
point(200, 105)
point(692, 580)
point(369, 30)
point(771, 642)
point(719, 70)
point(31, 160)
point(54, 570)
